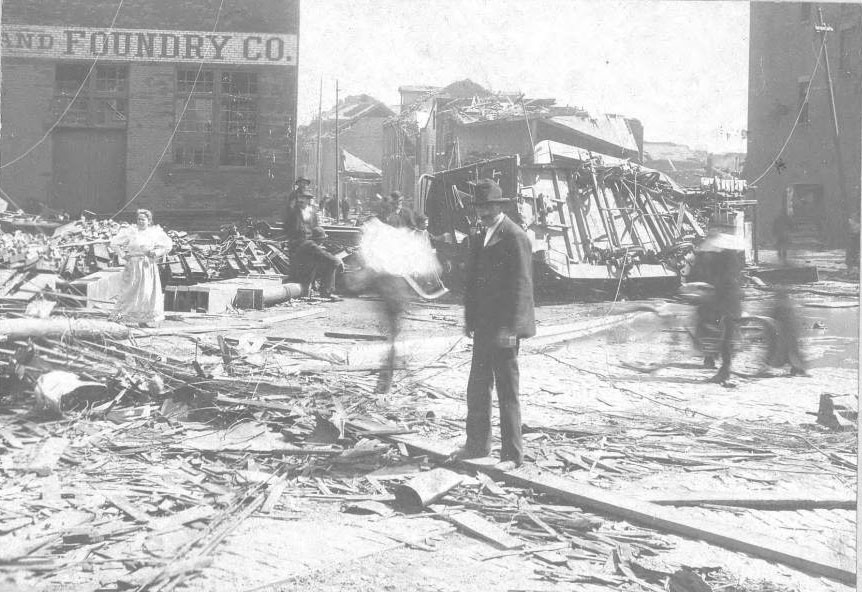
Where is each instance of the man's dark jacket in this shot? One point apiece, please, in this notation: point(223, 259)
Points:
point(404, 218)
point(499, 292)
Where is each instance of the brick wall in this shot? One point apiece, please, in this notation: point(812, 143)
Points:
point(180, 194)
point(783, 49)
point(26, 115)
point(264, 16)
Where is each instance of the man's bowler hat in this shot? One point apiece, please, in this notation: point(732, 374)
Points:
point(487, 191)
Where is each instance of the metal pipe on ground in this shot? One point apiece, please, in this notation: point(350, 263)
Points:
point(277, 294)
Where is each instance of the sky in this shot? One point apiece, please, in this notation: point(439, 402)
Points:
point(680, 67)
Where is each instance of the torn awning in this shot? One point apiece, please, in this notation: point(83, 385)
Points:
point(353, 166)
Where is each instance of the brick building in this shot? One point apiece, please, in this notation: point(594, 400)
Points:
point(804, 179)
point(187, 106)
point(360, 133)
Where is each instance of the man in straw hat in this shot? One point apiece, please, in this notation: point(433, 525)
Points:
point(498, 309)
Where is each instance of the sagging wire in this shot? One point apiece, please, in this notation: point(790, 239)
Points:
point(802, 108)
point(176, 127)
point(72, 102)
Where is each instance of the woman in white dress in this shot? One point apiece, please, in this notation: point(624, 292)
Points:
point(141, 300)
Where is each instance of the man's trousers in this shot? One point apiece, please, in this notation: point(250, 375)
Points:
point(492, 366)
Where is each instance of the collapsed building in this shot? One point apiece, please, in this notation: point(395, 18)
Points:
point(463, 123)
point(601, 227)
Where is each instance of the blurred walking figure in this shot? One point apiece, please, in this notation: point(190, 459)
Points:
point(392, 260)
point(852, 255)
point(141, 300)
point(782, 231)
point(718, 262)
point(787, 349)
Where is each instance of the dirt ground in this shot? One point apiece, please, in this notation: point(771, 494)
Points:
point(581, 382)
point(583, 396)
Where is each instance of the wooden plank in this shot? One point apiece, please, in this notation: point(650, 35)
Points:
point(177, 520)
point(475, 525)
point(651, 515)
point(46, 456)
point(753, 500)
point(359, 336)
point(273, 406)
point(273, 497)
point(123, 504)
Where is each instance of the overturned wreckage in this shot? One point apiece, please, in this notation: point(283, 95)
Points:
point(600, 227)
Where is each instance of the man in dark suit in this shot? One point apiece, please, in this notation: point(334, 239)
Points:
point(498, 310)
point(400, 217)
point(303, 230)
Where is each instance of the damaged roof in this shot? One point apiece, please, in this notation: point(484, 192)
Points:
point(613, 129)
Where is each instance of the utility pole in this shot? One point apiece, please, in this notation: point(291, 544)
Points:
point(337, 157)
point(318, 180)
point(824, 30)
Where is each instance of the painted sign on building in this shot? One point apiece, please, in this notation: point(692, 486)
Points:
point(148, 45)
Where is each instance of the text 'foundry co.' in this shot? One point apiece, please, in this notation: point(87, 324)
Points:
point(148, 45)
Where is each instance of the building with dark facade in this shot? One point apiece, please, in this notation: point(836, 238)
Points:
point(184, 107)
point(789, 103)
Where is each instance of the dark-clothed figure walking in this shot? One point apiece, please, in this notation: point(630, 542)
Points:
point(498, 309)
point(787, 340)
point(851, 258)
point(782, 229)
point(718, 261)
point(303, 229)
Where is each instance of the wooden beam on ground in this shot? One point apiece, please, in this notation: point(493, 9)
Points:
point(358, 336)
point(546, 336)
point(753, 500)
point(473, 524)
point(652, 515)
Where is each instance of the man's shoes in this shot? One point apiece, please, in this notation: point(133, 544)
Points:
point(507, 465)
point(465, 453)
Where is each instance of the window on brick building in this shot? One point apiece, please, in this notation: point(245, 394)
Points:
point(805, 12)
point(802, 102)
point(220, 122)
point(100, 96)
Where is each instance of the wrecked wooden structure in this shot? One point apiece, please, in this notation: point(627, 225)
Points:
point(600, 227)
point(211, 272)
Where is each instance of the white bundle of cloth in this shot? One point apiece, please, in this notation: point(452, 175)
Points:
point(397, 251)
